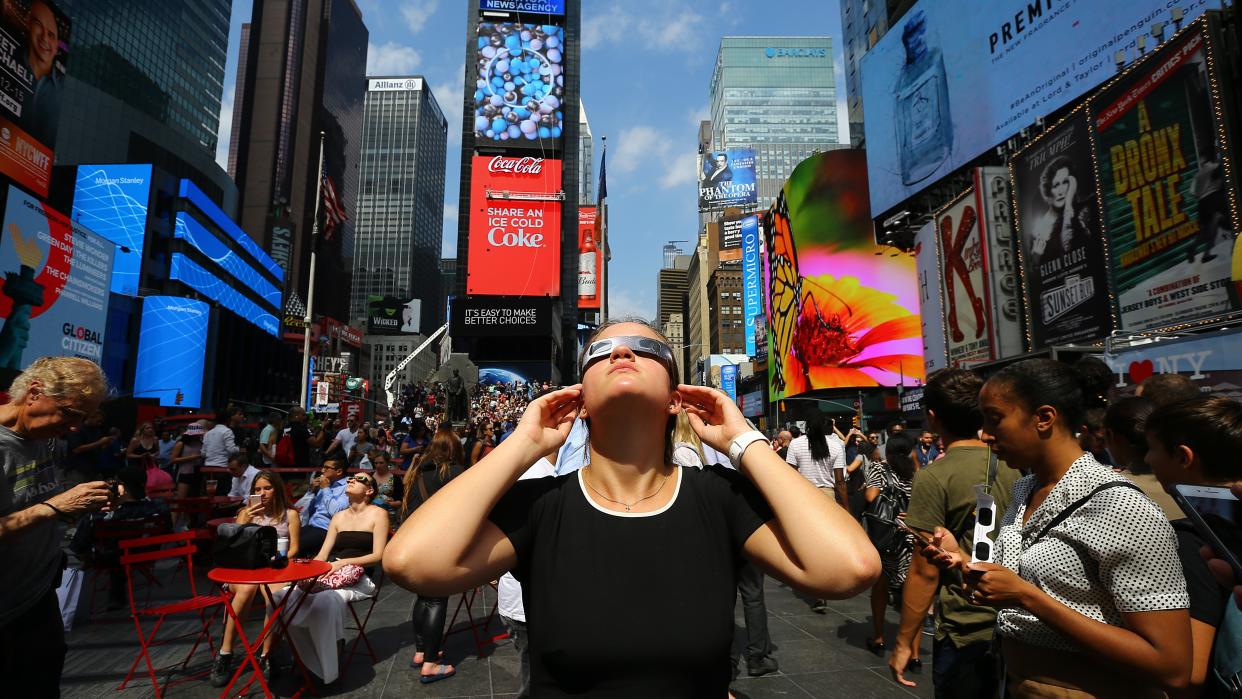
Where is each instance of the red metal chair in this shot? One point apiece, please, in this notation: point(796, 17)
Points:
point(106, 536)
point(135, 553)
point(360, 625)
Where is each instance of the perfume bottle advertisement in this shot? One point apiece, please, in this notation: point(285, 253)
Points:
point(954, 78)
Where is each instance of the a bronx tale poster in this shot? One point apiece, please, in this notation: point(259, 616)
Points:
point(1164, 189)
point(964, 282)
point(1061, 248)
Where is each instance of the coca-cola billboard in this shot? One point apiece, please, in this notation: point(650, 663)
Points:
point(515, 234)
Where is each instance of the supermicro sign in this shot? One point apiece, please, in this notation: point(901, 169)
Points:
point(515, 231)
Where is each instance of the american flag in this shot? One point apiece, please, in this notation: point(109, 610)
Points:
point(333, 211)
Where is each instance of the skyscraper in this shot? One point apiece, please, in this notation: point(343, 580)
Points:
point(863, 22)
point(145, 84)
point(586, 159)
point(305, 75)
point(777, 95)
point(400, 215)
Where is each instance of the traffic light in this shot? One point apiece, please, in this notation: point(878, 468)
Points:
point(854, 421)
point(180, 397)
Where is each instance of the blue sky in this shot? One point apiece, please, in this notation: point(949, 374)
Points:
point(645, 71)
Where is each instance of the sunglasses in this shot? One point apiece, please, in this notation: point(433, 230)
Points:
point(638, 344)
point(365, 480)
point(985, 523)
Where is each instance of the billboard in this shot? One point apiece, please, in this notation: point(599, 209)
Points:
point(482, 316)
point(112, 201)
point(172, 351)
point(515, 227)
point(590, 258)
point(543, 7)
point(519, 85)
point(727, 178)
point(1211, 361)
point(728, 380)
point(185, 270)
point(751, 290)
point(730, 237)
point(953, 78)
point(839, 315)
point(188, 228)
point(1005, 308)
point(1165, 187)
point(931, 307)
point(389, 316)
point(964, 282)
point(54, 299)
point(500, 373)
point(1061, 248)
point(34, 42)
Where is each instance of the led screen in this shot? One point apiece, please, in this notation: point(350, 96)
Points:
point(519, 87)
point(112, 201)
point(954, 78)
point(839, 314)
point(172, 348)
point(751, 291)
point(544, 7)
point(231, 229)
point(196, 234)
point(190, 273)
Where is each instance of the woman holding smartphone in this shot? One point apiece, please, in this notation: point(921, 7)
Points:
point(266, 506)
point(1087, 579)
point(628, 566)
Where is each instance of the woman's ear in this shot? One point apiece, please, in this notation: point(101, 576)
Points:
point(674, 402)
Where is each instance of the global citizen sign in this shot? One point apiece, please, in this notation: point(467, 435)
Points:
point(514, 247)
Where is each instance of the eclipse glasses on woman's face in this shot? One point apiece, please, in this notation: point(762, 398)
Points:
point(638, 344)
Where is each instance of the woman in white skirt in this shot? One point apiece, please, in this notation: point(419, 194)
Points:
point(356, 536)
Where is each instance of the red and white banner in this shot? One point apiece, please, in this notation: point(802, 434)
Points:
point(515, 238)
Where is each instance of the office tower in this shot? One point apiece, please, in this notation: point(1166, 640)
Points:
point(776, 95)
point(400, 215)
point(728, 325)
point(586, 159)
point(239, 89)
point(144, 85)
point(863, 22)
point(305, 75)
point(671, 301)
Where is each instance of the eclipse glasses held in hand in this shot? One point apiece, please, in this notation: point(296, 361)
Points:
point(638, 344)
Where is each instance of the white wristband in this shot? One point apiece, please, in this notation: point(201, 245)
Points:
point(739, 444)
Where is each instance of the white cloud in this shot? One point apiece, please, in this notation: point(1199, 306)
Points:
point(225, 132)
point(682, 170)
point(673, 26)
point(417, 12)
point(449, 96)
point(392, 59)
point(655, 156)
point(638, 146)
point(624, 302)
point(598, 29)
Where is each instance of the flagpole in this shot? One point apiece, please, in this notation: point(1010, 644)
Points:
point(304, 399)
point(603, 242)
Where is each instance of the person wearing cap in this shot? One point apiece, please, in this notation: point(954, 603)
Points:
point(187, 459)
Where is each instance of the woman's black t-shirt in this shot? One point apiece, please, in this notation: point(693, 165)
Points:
point(631, 604)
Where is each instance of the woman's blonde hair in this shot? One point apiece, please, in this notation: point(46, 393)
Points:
point(62, 377)
point(684, 433)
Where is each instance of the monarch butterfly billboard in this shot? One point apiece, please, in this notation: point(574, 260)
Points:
point(843, 312)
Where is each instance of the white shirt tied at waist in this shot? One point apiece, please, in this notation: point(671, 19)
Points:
point(1114, 554)
point(820, 472)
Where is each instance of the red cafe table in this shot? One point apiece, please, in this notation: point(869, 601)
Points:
point(296, 571)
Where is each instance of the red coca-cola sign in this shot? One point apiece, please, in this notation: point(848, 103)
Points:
point(515, 232)
point(517, 166)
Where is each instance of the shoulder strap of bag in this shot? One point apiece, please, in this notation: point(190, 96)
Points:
point(1073, 506)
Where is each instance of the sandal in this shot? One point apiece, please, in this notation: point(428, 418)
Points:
point(437, 676)
point(876, 647)
point(419, 658)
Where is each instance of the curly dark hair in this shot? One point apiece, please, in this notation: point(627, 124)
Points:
point(1045, 178)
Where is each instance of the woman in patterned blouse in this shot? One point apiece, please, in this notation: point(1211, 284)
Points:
point(1091, 595)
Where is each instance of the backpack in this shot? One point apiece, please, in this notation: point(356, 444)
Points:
point(284, 450)
point(884, 510)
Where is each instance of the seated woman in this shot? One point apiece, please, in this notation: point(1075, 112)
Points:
point(273, 510)
point(356, 536)
point(388, 486)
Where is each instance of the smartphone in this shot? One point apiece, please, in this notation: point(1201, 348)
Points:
point(920, 538)
point(1216, 514)
point(254, 500)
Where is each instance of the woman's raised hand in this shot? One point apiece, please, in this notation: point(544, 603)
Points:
point(715, 418)
point(548, 419)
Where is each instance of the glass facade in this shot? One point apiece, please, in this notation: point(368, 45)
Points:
point(400, 219)
point(778, 96)
point(164, 58)
point(863, 22)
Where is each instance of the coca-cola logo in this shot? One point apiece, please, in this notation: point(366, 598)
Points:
point(497, 237)
point(516, 166)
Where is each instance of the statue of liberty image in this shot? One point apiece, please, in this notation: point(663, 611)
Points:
point(26, 295)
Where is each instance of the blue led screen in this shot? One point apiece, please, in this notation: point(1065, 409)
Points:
point(190, 230)
point(172, 349)
point(208, 207)
point(190, 273)
point(112, 200)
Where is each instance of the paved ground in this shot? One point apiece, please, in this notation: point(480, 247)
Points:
point(820, 655)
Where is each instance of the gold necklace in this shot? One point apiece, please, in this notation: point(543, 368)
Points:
point(622, 504)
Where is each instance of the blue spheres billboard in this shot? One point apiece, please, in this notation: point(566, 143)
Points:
point(519, 86)
point(954, 78)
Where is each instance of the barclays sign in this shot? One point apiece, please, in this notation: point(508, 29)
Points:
point(795, 53)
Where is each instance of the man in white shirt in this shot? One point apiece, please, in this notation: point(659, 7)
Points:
point(345, 439)
point(218, 443)
point(243, 476)
point(268, 451)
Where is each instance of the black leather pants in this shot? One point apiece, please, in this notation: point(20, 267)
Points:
point(429, 613)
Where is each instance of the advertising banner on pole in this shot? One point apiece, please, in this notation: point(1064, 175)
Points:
point(964, 276)
point(517, 96)
point(751, 291)
point(590, 258)
point(1164, 187)
point(839, 314)
point(54, 299)
point(931, 306)
point(727, 178)
point(515, 227)
point(1005, 308)
point(953, 78)
point(1060, 236)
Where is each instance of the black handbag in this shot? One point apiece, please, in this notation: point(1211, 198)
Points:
point(246, 546)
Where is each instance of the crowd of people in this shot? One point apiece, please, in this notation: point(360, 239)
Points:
point(1031, 528)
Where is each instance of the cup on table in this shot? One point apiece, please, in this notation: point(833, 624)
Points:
point(211, 487)
point(282, 546)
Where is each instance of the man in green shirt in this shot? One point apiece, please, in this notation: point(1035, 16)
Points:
point(944, 496)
